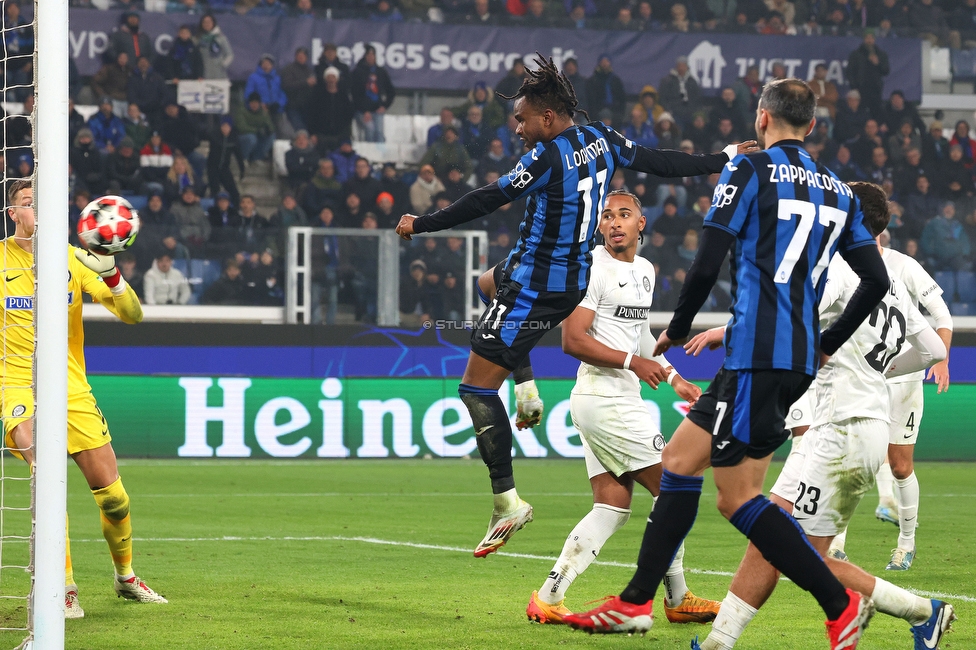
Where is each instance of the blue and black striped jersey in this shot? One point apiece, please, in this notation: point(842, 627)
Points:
point(789, 215)
point(566, 181)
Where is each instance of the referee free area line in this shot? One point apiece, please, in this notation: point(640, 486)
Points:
point(451, 549)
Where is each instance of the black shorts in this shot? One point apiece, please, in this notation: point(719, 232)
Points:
point(745, 411)
point(516, 319)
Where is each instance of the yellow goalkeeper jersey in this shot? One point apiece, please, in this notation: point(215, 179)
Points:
point(18, 315)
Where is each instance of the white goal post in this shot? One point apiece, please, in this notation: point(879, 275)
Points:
point(51, 324)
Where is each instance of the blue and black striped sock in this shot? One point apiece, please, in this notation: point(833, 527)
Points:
point(673, 516)
point(493, 431)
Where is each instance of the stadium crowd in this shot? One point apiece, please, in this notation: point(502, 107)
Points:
point(182, 170)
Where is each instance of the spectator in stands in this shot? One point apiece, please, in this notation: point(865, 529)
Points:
point(452, 297)
point(825, 91)
point(481, 14)
point(182, 135)
point(259, 231)
point(511, 140)
point(935, 146)
point(864, 144)
point(155, 159)
point(945, 243)
point(385, 11)
point(605, 90)
point(129, 38)
point(500, 246)
point(902, 140)
point(670, 223)
point(269, 8)
point(446, 153)
point(679, 92)
point(957, 181)
point(867, 66)
point(330, 59)
point(344, 159)
point(475, 133)
point(963, 21)
point(929, 20)
point(390, 182)
point(325, 272)
point(225, 227)
point(363, 184)
point(76, 121)
point(111, 82)
point(668, 133)
point(184, 60)
point(301, 161)
point(967, 144)
point(698, 133)
point(330, 112)
point(106, 127)
point(424, 189)
point(907, 173)
point(228, 289)
point(224, 148)
point(304, 9)
point(288, 214)
point(156, 223)
point(898, 111)
point(137, 127)
point(447, 119)
point(639, 129)
point(386, 216)
point(215, 50)
point(87, 163)
point(372, 94)
point(365, 272)
point(724, 134)
point(921, 206)
point(192, 221)
point(454, 185)
point(492, 113)
point(297, 82)
point(845, 168)
point(124, 174)
point(571, 70)
point(255, 129)
point(191, 7)
point(261, 279)
point(879, 170)
point(266, 84)
point(645, 17)
point(179, 177)
point(511, 82)
point(18, 130)
point(131, 273)
point(164, 284)
point(851, 117)
point(147, 89)
point(323, 190)
point(685, 253)
point(415, 296)
point(494, 161)
point(177, 249)
point(656, 252)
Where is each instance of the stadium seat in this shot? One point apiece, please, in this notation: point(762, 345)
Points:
point(203, 273)
point(947, 280)
point(206, 203)
point(377, 152)
point(278, 152)
point(966, 286)
point(181, 266)
point(412, 153)
point(962, 309)
point(398, 129)
point(963, 66)
point(421, 125)
point(137, 201)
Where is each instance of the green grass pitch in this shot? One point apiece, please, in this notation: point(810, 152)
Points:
point(376, 554)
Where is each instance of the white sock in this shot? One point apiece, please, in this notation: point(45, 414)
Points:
point(675, 586)
point(900, 603)
point(506, 502)
point(581, 548)
point(732, 619)
point(907, 490)
point(839, 541)
point(885, 478)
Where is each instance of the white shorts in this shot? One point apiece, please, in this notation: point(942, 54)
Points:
point(801, 413)
point(616, 433)
point(788, 482)
point(906, 412)
point(841, 461)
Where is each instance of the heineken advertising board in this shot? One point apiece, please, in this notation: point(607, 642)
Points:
point(239, 417)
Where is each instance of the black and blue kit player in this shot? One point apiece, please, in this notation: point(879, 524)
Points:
point(783, 216)
point(565, 178)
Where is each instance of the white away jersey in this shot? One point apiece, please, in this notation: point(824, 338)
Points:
point(922, 288)
point(620, 295)
point(852, 384)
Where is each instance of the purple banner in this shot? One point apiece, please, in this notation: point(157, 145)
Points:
point(449, 57)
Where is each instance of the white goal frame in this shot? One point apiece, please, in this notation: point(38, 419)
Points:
point(51, 325)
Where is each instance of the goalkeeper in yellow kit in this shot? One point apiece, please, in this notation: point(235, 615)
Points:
point(89, 442)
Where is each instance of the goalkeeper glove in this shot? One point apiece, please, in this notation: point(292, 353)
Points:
point(103, 265)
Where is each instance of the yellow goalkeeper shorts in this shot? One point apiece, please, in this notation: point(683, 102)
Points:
point(87, 428)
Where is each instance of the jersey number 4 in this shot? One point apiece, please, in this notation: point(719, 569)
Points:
point(807, 212)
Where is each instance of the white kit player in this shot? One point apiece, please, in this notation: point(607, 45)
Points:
point(905, 393)
point(609, 333)
point(826, 476)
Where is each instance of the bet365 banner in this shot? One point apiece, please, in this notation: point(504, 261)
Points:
point(449, 57)
point(239, 417)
